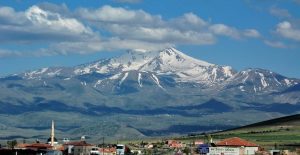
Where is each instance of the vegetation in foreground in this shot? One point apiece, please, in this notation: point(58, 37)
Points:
point(282, 132)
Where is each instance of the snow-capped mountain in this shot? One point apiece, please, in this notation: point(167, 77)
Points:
point(169, 63)
point(157, 86)
point(167, 68)
point(259, 80)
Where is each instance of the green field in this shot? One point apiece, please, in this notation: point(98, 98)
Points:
point(282, 133)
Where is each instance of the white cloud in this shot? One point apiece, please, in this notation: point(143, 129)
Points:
point(281, 13)
point(251, 33)
point(62, 31)
point(86, 47)
point(221, 29)
point(140, 25)
point(36, 24)
point(9, 16)
point(188, 21)
point(8, 53)
point(53, 21)
point(286, 30)
point(275, 44)
point(117, 44)
point(128, 1)
point(54, 8)
point(108, 14)
point(163, 34)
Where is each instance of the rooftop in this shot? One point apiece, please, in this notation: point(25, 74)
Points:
point(79, 143)
point(236, 141)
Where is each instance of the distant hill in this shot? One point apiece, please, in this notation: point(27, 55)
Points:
point(293, 120)
point(284, 131)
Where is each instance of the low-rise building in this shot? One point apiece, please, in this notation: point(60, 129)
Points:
point(94, 151)
point(39, 148)
point(34, 146)
point(108, 151)
point(78, 148)
point(245, 147)
point(175, 144)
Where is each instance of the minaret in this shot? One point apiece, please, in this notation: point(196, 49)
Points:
point(52, 134)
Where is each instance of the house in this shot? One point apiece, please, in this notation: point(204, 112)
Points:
point(198, 142)
point(35, 146)
point(108, 151)
point(245, 147)
point(175, 144)
point(78, 148)
point(41, 148)
point(94, 151)
point(149, 146)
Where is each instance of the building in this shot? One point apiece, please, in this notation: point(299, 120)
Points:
point(198, 142)
point(175, 144)
point(108, 151)
point(245, 147)
point(78, 148)
point(34, 146)
point(94, 151)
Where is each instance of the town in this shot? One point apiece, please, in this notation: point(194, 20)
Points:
point(204, 146)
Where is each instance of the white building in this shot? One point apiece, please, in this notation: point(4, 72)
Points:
point(245, 147)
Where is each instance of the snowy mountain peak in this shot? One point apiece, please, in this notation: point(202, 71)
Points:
point(179, 55)
point(169, 62)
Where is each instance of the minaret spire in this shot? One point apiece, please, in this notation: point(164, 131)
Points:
point(52, 134)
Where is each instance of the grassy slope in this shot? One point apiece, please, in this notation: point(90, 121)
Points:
point(282, 131)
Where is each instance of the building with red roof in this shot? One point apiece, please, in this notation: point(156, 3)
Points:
point(236, 141)
point(34, 146)
point(246, 147)
point(79, 143)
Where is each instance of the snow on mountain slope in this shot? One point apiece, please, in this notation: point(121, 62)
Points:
point(48, 73)
point(166, 62)
point(163, 69)
point(259, 80)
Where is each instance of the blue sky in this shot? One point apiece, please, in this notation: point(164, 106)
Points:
point(240, 33)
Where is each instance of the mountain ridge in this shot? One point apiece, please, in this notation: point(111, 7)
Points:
point(171, 62)
point(139, 90)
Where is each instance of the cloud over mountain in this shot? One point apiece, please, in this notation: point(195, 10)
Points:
point(85, 30)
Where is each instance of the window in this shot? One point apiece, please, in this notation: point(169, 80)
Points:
point(120, 147)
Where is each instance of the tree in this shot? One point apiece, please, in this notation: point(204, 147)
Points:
point(186, 150)
point(275, 146)
point(208, 137)
point(12, 144)
point(147, 152)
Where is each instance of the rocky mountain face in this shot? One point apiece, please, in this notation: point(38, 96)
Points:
point(145, 87)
